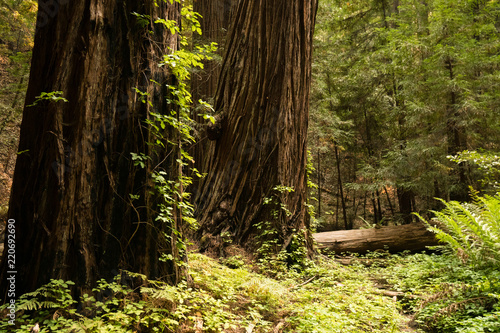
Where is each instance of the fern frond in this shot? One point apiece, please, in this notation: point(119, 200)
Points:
point(166, 292)
point(49, 305)
point(471, 230)
point(29, 304)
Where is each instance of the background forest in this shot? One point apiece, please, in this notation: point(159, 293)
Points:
point(399, 86)
point(17, 23)
point(404, 109)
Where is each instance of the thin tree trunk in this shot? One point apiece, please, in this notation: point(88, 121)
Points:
point(364, 207)
point(456, 139)
point(389, 201)
point(375, 209)
point(319, 185)
point(380, 217)
point(355, 207)
point(341, 188)
point(337, 208)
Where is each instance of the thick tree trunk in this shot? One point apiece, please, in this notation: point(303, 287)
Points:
point(70, 198)
point(262, 111)
point(215, 22)
point(413, 237)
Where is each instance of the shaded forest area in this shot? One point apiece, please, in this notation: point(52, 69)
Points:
point(17, 23)
point(399, 86)
point(176, 158)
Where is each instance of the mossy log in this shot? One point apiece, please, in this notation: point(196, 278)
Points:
point(412, 237)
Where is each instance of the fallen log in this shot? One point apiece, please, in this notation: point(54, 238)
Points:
point(412, 237)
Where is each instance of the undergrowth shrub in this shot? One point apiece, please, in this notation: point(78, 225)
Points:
point(322, 297)
point(442, 294)
point(461, 288)
point(471, 230)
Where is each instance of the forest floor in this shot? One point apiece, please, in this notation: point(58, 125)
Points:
point(338, 295)
point(343, 294)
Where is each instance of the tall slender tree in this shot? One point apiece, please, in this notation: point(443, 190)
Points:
point(257, 172)
point(74, 177)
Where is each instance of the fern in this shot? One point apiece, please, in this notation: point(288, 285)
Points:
point(29, 304)
point(166, 292)
point(55, 294)
point(471, 230)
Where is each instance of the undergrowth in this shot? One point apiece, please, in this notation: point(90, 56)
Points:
point(324, 297)
point(436, 291)
point(456, 290)
point(444, 295)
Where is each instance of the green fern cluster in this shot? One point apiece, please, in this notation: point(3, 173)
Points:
point(51, 305)
point(55, 294)
point(471, 230)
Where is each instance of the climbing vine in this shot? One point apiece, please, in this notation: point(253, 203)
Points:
point(173, 131)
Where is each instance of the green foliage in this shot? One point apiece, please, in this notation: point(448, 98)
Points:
point(399, 88)
point(332, 298)
point(51, 305)
point(471, 230)
point(172, 130)
point(53, 96)
point(487, 162)
point(446, 296)
point(233, 261)
point(17, 23)
point(322, 297)
point(179, 64)
point(273, 258)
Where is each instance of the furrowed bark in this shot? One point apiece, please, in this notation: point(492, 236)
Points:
point(70, 198)
point(262, 103)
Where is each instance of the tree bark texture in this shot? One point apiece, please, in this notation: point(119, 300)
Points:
point(215, 22)
point(413, 237)
point(262, 111)
point(70, 197)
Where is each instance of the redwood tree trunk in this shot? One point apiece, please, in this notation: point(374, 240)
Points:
point(260, 135)
point(70, 199)
point(215, 21)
